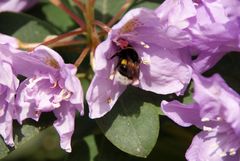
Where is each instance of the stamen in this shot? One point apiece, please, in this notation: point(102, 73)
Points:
point(109, 100)
point(205, 128)
point(65, 94)
point(144, 45)
point(223, 154)
point(146, 60)
point(232, 151)
point(54, 85)
point(205, 119)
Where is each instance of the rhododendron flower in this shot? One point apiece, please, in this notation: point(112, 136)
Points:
point(213, 26)
point(137, 52)
point(216, 111)
point(16, 5)
point(51, 85)
point(8, 86)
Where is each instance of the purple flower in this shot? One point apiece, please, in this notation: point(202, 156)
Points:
point(213, 27)
point(8, 86)
point(5, 39)
point(216, 111)
point(16, 5)
point(137, 52)
point(51, 85)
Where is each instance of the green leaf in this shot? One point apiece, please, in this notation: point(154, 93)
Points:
point(54, 15)
point(133, 124)
point(152, 4)
point(106, 9)
point(171, 145)
point(25, 27)
point(22, 134)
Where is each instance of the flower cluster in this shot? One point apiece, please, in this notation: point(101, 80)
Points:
point(50, 86)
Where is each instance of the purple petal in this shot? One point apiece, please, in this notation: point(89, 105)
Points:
point(184, 115)
point(6, 126)
point(5, 39)
point(26, 108)
point(48, 55)
point(206, 147)
point(102, 95)
point(72, 83)
point(176, 12)
point(103, 53)
point(165, 73)
point(206, 61)
point(6, 75)
point(65, 125)
point(136, 18)
point(16, 5)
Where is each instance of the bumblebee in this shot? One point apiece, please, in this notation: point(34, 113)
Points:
point(128, 64)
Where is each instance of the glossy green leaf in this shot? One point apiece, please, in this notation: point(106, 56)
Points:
point(171, 145)
point(152, 4)
point(106, 9)
point(25, 27)
point(133, 123)
point(55, 16)
point(23, 133)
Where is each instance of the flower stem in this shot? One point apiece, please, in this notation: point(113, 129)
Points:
point(59, 4)
point(123, 9)
point(102, 25)
point(80, 5)
point(81, 57)
point(59, 37)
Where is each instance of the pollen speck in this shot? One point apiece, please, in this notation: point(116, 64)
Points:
point(205, 119)
point(52, 62)
point(146, 60)
point(54, 85)
point(109, 100)
point(232, 151)
point(223, 154)
point(205, 128)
